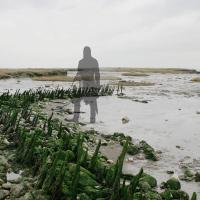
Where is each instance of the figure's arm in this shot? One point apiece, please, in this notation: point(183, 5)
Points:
point(97, 75)
point(77, 76)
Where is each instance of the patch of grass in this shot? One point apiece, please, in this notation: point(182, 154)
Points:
point(196, 79)
point(69, 78)
point(134, 74)
point(32, 72)
point(151, 70)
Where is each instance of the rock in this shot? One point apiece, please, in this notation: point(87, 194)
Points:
point(173, 184)
point(149, 179)
point(197, 177)
point(148, 151)
point(130, 159)
point(144, 186)
point(125, 120)
point(7, 186)
point(152, 196)
point(13, 177)
point(179, 147)
point(170, 172)
point(104, 143)
point(188, 173)
point(198, 112)
point(133, 150)
point(3, 194)
point(17, 190)
point(1, 182)
point(110, 161)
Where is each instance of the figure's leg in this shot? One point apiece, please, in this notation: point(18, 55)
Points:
point(93, 109)
point(77, 106)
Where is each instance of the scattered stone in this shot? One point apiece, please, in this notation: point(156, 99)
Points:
point(17, 190)
point(173, 183)
point(7, 186)
point(110, 161)
point(197, 177)
point(104, 143)
point(133, 149)
point(149, 179)
point(170, 172)
point(3, 194)
point(13, 177)
point(179, 147)
point(198, 112)
point(130, 159)
point(125, 120)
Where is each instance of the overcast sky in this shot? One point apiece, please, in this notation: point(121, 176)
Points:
point(121, 33)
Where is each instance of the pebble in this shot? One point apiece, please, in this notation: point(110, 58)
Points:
point(130, 159)
point(110, 161)
point(170, 172)
point(1, 181)
point(125, 120)
point(7, 186)
point(3, 194)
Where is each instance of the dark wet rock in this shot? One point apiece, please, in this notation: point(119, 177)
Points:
point(178, 194)
point(133, 149)
point(173, 184)
point(3, 194)
point(179, 147)
point(188, 173)
point(149, 179)
point(144, 186)
point(197, 177)
point(148, 151)
point(174, 194)
point(170, 172)
point(141, 101)
point(17, 190)
point(198, 112)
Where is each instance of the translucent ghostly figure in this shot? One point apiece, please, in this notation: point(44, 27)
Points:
point(89, 77)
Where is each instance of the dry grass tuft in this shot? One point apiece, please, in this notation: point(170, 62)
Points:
point(134, 74)
point(69, 78)
point(196, 79)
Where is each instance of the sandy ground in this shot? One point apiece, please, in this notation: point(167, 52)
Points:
point(169, 121)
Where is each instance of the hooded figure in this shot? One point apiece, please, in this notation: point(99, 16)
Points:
point(88, 70)
point(89, 77)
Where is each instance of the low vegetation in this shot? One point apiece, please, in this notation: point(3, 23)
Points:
point(30, 72)
point(134, 74)
point(68, 78)
point(56, 160)
point(48, 72)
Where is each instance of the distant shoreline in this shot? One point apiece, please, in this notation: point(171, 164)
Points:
point(42, 72)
